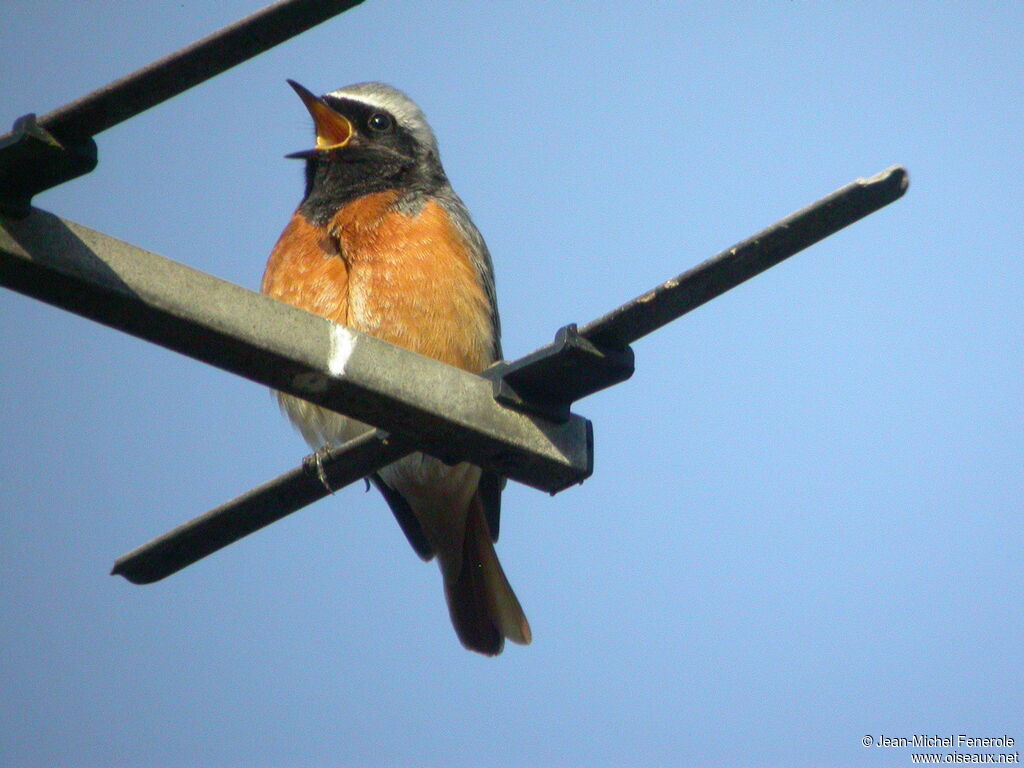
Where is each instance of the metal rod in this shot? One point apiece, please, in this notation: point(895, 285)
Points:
point(318, 476)
point(442, 410)
point(676, 297)
point(293, 490)
point(189, 66)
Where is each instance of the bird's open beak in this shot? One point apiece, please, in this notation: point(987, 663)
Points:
point(333, 130)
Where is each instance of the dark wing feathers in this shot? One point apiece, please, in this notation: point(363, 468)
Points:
point(406, 519)
point(490, 489)
point(491, 486)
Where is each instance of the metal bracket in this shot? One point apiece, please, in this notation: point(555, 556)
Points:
point(33, 160)
point(547, 382)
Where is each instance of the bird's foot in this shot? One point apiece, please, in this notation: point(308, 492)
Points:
point(318, 461)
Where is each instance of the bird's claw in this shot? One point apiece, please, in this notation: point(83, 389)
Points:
point(318, 460)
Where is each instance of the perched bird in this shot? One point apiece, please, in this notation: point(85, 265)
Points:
point(382, 244)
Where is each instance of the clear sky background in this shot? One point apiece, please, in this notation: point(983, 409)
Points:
point(805, 521)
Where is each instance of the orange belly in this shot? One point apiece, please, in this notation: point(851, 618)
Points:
point(405, 279)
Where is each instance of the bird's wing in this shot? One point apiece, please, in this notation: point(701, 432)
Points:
point(406, 519)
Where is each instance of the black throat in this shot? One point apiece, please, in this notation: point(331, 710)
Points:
point(336, 178)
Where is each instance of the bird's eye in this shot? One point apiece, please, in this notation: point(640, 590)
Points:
point(380, 122)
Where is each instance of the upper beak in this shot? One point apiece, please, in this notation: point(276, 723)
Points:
point(333, 129)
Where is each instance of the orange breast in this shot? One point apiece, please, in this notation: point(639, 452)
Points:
point(406, 279)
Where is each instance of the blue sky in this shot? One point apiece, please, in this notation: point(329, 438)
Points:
point(805, 520)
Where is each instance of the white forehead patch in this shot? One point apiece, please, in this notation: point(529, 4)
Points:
point(397, 103)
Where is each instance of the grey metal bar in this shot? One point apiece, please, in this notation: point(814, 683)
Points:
point(442, 410)
point(674, 298)
point(259, 507)
point(189, 66)
point(573, 372)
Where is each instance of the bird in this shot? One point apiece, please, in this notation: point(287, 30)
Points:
point(380, 243)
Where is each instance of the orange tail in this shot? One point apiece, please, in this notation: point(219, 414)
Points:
point(483, 607)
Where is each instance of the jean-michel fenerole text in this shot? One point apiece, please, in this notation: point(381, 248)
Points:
point(953, 740)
